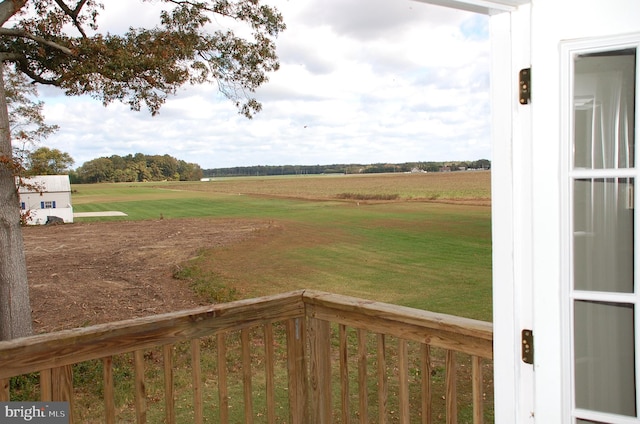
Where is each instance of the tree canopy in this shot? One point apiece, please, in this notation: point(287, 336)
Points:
point(26, 118)
point(46, 161)
point(138, 167)
point(26, 115)
point(58, 43)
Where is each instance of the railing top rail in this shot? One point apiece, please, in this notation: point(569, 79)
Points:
point(461, 325)
point(448, 331)
point(72, 346)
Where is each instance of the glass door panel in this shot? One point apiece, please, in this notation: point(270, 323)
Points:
point(603, 289)
point(604, 97)
point(604, 357)
point(603, 235)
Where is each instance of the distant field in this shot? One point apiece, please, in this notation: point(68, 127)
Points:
point(458, 186)
point(429, 246)
point(428, 186)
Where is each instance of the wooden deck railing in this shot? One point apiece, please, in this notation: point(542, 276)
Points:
point(299, 357)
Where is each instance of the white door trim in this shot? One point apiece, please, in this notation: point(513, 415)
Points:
point(485, 7)
point(511, 217)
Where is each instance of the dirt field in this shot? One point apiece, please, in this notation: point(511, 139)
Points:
point(87, 273)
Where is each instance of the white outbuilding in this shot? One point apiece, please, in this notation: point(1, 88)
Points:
point(45, 196)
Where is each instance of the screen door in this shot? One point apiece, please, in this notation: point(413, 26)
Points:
point(603, 296)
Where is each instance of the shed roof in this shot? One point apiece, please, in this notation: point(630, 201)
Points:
point(46, 183)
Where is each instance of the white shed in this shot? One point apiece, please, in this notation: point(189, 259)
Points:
point(566, 266)
point(44, 196)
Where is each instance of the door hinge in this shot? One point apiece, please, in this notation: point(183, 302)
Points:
point(527, 346)
point(525, 86)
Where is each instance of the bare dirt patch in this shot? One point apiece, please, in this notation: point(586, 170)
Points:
point(88, 273)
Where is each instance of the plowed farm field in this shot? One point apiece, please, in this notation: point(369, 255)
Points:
point(88, 273)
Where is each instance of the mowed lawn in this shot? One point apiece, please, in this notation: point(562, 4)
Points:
point(430, 248)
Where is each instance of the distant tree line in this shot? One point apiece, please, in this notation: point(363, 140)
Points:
point(136, 168)
point(140, 167)
point(347, 168)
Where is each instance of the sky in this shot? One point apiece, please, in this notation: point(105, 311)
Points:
point(360, 81)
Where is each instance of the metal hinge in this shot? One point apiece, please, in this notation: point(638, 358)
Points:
point(527, 346)
point(525, 86)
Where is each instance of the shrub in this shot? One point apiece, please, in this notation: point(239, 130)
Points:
point(361, 196)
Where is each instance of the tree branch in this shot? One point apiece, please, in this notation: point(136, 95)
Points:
point(10, 57)
point(73, 14)
point(8, 8)
point(24, 34)
point(23, 65)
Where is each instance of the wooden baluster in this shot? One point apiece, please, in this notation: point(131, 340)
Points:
point(62, 387)
point(109, 396)
point(476, 381)
point(403, 383)
point(223, 391)
point(362, 376)
point(46, 386)
point(451, 396)
point(246, 376)
point(320, 377)
point(425, 370)
point(62, 383)
point(344, 373)
point(140, 391)
point(296, 335)
point(169, 401)
point(4, 389)
point(383, 386)
point(196, 376)
point(269, 363)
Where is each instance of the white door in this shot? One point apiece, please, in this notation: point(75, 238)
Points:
point(585, 222)
point(566, 235)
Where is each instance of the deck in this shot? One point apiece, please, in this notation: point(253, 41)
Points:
point(299, 357)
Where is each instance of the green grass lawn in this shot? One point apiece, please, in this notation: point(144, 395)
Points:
point(432, 256)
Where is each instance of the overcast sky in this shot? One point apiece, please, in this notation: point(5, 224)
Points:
point(361, 81)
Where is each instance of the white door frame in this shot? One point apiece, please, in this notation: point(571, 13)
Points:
point(484, 7)
point(511, 175)
point(511, 216)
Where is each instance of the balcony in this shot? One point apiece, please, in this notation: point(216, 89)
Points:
point(299, 357)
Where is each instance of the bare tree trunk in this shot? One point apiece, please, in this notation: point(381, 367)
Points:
point(15, 309)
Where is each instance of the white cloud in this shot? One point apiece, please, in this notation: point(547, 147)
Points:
point(360, 81)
